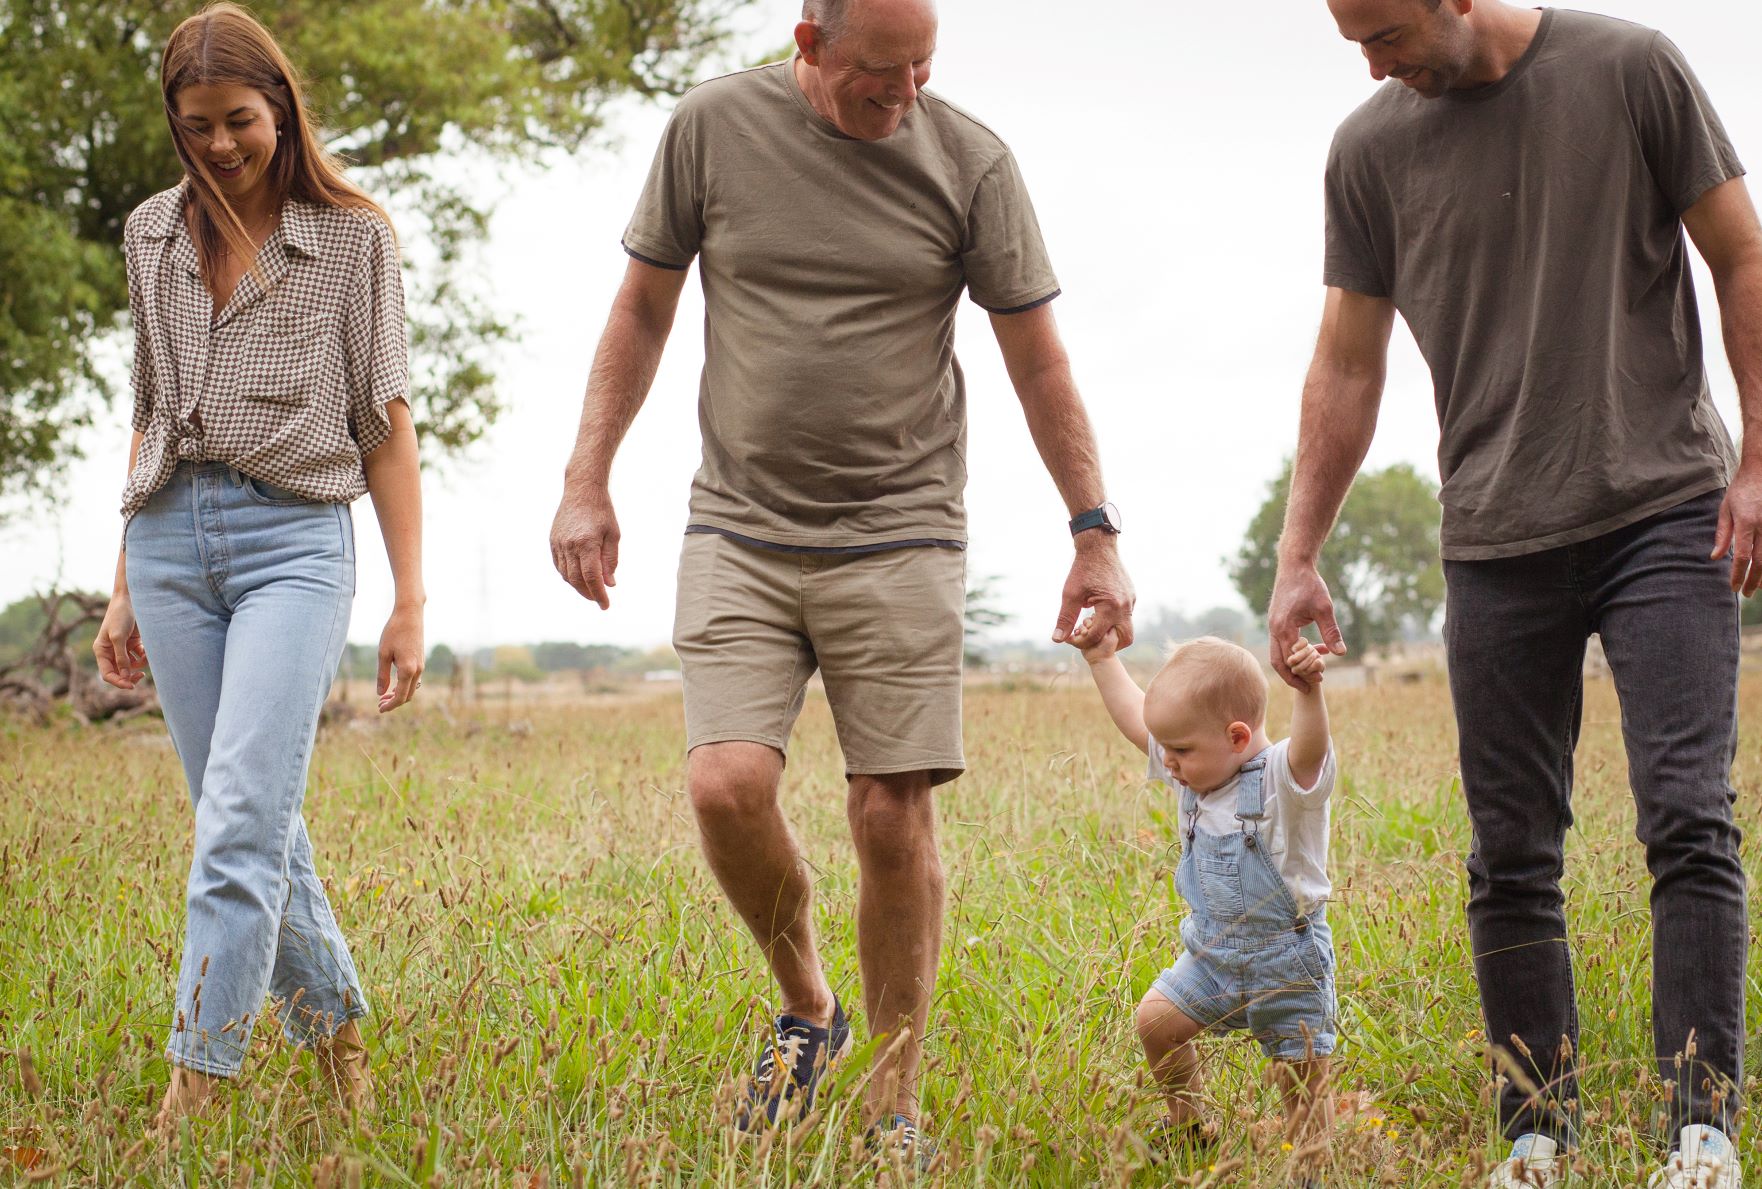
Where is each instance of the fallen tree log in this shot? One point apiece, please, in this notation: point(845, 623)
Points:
point(54, 671)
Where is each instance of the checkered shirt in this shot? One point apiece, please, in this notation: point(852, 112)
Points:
point(289, 382)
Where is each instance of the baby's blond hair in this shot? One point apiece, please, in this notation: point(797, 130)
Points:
point(1216, 677)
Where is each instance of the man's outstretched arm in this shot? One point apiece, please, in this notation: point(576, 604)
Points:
point(1340, 400)
point(1041, 373)
point(584, 535)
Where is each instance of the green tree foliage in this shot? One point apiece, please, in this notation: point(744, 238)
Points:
point(411, 91)
point(1380, 562)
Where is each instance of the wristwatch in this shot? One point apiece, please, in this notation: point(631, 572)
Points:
point(1106, 518)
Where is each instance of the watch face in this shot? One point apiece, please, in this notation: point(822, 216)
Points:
point(1110, 516)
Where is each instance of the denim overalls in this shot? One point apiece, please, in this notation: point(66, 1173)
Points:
point(1253, 961)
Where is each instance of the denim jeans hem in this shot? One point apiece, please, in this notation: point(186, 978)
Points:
point(307, 1037)
point(1562, 1133)
point(212, 1069)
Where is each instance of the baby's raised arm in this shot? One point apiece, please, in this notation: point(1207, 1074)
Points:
point(1119, 693)
point(1309, 720)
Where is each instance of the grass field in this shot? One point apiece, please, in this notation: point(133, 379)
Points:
point(561, 997)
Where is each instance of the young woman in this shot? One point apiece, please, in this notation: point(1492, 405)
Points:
point(270, 380)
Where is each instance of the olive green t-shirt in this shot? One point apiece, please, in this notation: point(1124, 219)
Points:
point(832, 406)
point(1530, 234)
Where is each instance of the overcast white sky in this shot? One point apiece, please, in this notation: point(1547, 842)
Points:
point(1174, 151)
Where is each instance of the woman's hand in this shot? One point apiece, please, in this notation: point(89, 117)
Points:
point(121, 659)
point(400, 648)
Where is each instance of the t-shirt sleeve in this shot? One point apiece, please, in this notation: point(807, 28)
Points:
point(376, 340)
point(1003, 255)
point(1157, 770)
point(1286, 781)
point(1350, 257)
point(1684, 142)
point(668, 225)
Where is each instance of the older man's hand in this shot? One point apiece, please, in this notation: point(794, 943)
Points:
point(1300, 598)
point(1097, 580)
point(584, 542)
point(1740, 527)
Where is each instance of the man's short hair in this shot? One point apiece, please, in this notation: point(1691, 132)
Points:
point(833, 16)
point(1216, 677)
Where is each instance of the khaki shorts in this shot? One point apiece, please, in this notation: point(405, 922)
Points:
point(884, 629)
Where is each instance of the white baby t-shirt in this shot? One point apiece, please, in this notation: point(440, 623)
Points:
point(1296, 825)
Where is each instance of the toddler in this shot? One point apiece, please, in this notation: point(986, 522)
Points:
point(1254, 826)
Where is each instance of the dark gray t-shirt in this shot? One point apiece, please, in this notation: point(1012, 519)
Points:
point(1530, 234)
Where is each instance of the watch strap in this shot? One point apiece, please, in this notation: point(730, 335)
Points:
point(1094, 518)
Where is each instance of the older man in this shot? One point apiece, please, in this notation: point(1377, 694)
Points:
point(1518, 193)
point(837, 212)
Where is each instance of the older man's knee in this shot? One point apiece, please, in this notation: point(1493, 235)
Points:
point(893, 819)
point(731, 783)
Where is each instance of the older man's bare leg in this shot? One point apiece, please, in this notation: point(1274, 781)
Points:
point(733, 789)
point(899, 927)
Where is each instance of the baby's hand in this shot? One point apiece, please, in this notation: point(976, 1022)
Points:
point(1096, 647)
point(1307, 662)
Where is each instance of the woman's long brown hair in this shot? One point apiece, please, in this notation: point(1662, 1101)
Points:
point(223, 45)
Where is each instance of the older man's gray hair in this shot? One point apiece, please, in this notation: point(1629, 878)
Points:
point(833, 16)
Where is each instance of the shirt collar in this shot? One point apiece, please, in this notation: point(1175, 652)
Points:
point(165, 218)
point(299, 222)
point(299, 227)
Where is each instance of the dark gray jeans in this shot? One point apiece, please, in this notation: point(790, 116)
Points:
point(1515, 631)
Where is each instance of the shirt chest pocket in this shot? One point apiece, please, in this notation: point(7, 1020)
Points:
point(279, 359)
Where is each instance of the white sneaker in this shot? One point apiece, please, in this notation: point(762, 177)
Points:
point(1536, 1162)
point(1704, 1159)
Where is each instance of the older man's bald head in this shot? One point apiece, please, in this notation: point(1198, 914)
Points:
point(837, 17)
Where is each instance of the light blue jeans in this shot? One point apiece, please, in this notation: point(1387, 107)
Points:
point(242, 593)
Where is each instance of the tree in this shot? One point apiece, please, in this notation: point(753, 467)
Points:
point(1154, 630)
point(398, 87)
point(980, 616)
point(441, 662)
point(1380, 562)
point(556, 656)
point(46, 658)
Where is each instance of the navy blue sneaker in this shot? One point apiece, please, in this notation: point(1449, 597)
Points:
point(898, 1139)
point(1183, 1143)
point(789, 1071)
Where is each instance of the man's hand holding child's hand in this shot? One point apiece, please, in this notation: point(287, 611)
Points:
point(1307, 662)
point(1095, 646)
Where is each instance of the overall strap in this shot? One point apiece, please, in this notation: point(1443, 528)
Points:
point(1189, 811)
point(1251, 794)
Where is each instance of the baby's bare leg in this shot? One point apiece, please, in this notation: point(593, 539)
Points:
point(1167, 1035)
point(1309, 1108)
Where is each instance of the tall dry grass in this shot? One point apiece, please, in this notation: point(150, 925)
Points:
point(560, 996)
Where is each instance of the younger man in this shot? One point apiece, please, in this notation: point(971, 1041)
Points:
point(1254, 820)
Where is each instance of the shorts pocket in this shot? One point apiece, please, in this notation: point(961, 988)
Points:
point(1309, 958)
point(1220, 882)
